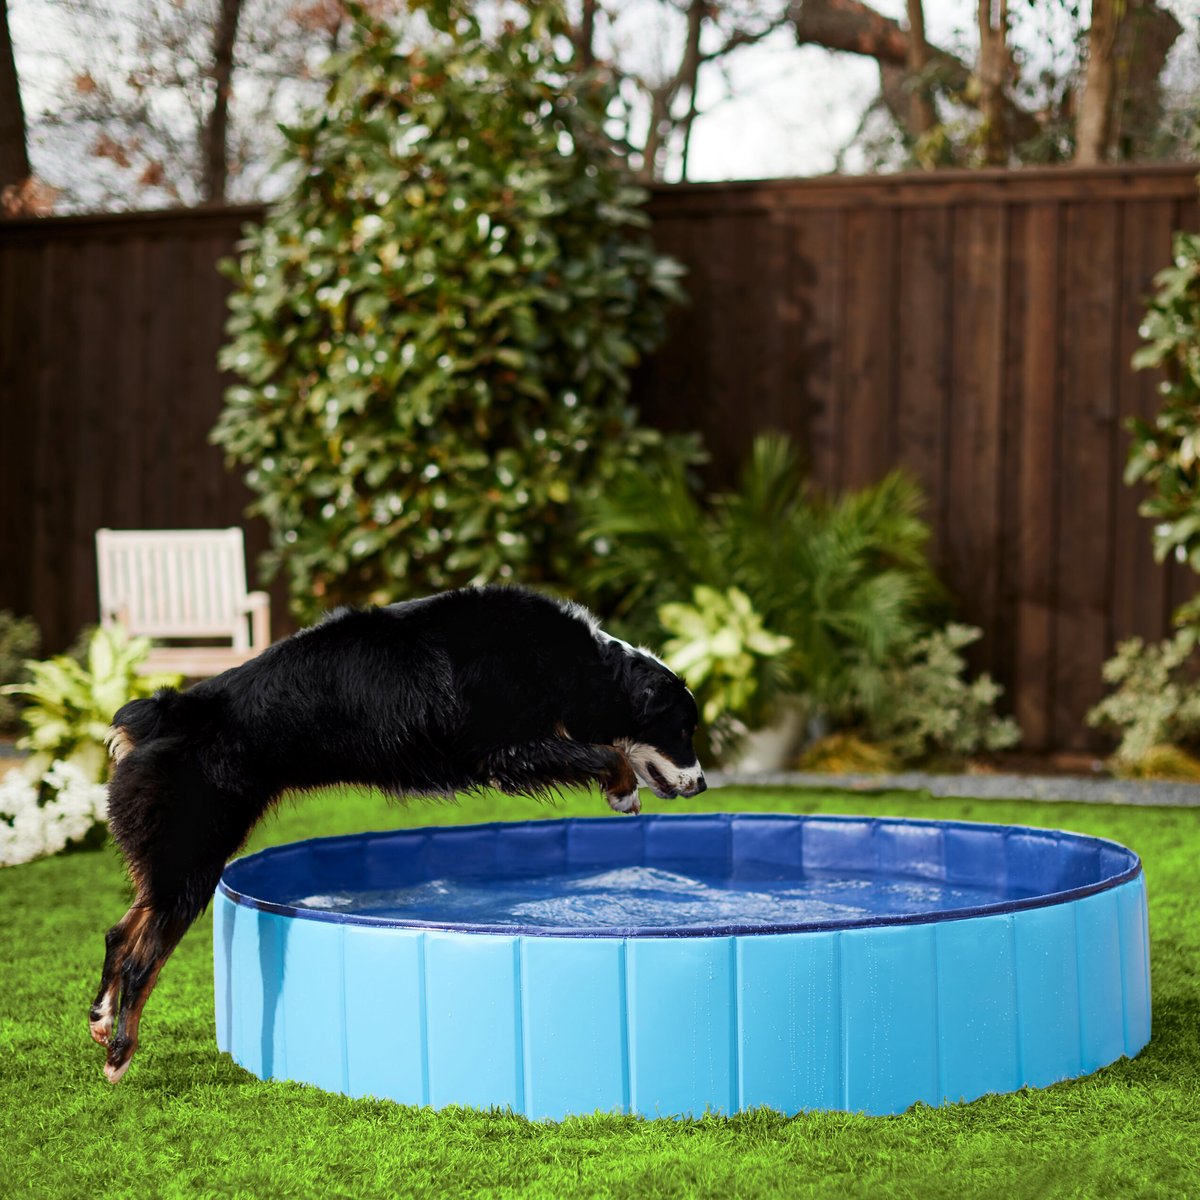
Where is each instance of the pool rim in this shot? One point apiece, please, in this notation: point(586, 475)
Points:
point(997, 908)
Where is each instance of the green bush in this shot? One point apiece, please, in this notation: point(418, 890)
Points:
point(1155, 703)
point(69, 705)
point(846, 580)
point(1155, 706)
point(932, 713)
point(19, 640)
point(732, 663)
point(1165, 454)
point(433, 332)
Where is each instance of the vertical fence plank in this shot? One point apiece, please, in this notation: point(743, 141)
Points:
point(865, 447)
point(817, 286)
point(923, 391)
point(972, 532)
point(1086, 478)
point(1035, 241)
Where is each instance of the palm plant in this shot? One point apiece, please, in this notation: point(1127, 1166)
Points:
point(846, 580)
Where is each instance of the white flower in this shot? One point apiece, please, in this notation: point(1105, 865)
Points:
point(30, 830)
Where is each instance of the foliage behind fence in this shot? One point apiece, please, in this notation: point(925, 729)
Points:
point(973, 327)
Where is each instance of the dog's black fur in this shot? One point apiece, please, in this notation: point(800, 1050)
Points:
point(480, 687)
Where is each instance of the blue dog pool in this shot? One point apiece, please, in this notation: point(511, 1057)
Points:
point(666, 965)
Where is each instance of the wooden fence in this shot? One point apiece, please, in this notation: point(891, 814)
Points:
point(974, 328)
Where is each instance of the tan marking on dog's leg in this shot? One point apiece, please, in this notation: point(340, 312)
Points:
point(621, 787)
point(118, 942)
point(129, 1024)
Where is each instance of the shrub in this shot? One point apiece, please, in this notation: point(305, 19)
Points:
point(1166, 454)
point(730, 661)
point(846, 580)
point(932, 712)
point(1155, 704)
point(69, 705)
point(19, 640)
point(433, 331)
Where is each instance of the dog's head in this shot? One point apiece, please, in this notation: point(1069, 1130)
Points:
point(659, 745)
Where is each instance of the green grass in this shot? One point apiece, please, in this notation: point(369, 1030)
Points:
point(187, 1122)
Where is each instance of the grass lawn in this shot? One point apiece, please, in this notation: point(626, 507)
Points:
point(187, 1122)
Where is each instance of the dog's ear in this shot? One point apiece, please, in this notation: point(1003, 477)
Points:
point(649, 688)
point(646, 683)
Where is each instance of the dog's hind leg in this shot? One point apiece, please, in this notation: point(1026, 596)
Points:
point(176, 830)
point(154, 937)
point(104, 1008)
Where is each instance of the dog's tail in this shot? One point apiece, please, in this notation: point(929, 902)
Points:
point(140, 721)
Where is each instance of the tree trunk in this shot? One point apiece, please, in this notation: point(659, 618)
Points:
point(14, 156)
point(586, 45)
point(216, 132)
point(689, 75)
point(1128, 44)
point(921, 115)
point(993, 73)
point(1094, 124)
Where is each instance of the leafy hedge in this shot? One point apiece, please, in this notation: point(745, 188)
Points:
point(433, 331)
point(1165, 454)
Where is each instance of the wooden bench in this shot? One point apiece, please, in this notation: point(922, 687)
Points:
point(182, 586)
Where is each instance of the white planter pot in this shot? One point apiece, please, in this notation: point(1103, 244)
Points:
point(772, 748)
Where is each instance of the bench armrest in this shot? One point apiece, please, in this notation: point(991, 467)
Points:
point(258, 606)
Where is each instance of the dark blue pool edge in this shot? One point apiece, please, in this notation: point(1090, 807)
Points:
point(999, 908)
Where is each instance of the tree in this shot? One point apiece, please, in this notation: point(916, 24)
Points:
point(179, 103)
point(995, 64)
point(216, 127)
point(1127, 46)
point(14, 158)
point(993, 116)
point(151, 90)
point(433, 330)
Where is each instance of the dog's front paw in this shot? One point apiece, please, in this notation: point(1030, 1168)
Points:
point(630, 802)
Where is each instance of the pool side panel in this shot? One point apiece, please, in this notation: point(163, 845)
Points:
point(889, 1006)
point(310, 1004)
point(977, 1020)
point(681, 1018)
point(1101, 1019)
point(573, 993)
point(384, 1003)
point(224, 915)
point(1135, 964)
point(257, 1035)
point(1047, 983)
point(789, 1030)
point(473, 1021)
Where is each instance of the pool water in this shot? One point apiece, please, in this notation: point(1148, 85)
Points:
point(652, 897)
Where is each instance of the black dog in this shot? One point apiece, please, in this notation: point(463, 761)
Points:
point(482, 687)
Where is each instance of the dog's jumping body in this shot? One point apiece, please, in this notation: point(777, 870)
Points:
point(480, 687)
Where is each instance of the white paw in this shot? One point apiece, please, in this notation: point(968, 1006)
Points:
point(629, 803)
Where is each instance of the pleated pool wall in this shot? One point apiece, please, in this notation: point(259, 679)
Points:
point(865, 1019)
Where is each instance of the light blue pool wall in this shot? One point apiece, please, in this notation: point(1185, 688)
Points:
point(863, 1019)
